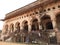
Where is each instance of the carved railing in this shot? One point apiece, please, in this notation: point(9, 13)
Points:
point(38, 34)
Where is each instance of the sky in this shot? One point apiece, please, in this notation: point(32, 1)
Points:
point(7, 6)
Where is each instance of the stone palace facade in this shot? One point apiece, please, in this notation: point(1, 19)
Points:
point(38, 21)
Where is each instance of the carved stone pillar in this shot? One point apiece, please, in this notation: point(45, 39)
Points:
point(40, 27)
point(53, 18)
point(21, 27)
point(54, 23)
point(39, 22)
point(29, 27)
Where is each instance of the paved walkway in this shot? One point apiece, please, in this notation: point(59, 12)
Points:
point(10, 43)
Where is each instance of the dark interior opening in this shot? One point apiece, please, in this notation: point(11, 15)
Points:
point(49, 25)
point(26, 26)
point(12, 27)
point(35, 25)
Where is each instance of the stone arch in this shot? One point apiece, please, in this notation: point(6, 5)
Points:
point(35, 24)
point(58, 21)
point(33, 19)
point(25, 30)
point(58, 12)
point(25, 25)
point(17, 26)
point(12, 27)
point(46, 22)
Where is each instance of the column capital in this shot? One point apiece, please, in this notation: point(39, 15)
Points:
point(53, 18)
point(30, 23)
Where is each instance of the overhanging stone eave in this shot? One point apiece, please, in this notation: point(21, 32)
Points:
point(24, 9)
point(20, 10)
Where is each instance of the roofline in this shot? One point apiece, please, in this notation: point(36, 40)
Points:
point(24, 9)
point(10, 13)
